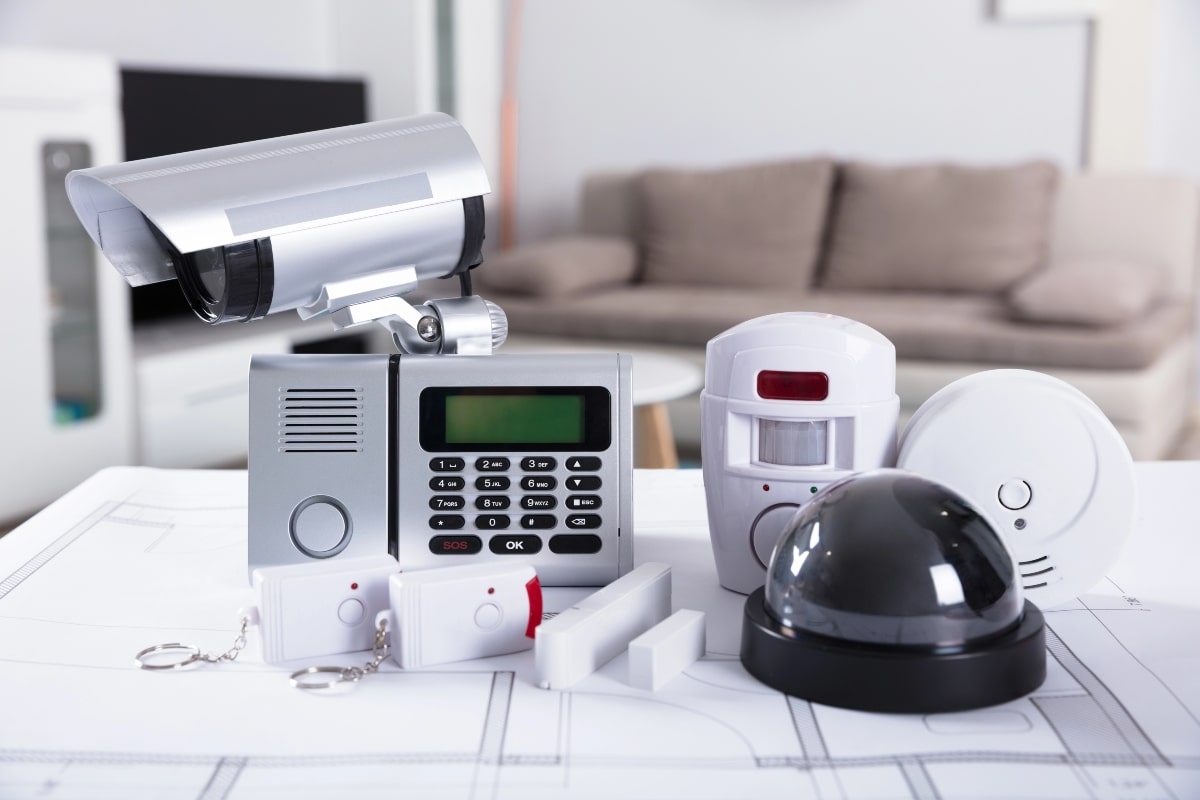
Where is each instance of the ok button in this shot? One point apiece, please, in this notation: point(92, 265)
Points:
point(515, 544)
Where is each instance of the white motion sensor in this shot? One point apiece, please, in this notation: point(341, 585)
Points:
point(791, 403)
point(1041, 462)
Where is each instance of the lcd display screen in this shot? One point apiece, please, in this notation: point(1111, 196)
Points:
point(514, 419)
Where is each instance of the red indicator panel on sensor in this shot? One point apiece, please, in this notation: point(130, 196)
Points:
point(781, 385)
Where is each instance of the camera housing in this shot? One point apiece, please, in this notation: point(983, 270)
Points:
point(251, 229)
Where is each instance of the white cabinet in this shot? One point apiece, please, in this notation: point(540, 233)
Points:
point(66, 395)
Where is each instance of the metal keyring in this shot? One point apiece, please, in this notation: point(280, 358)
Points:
point(193, 655)
point(343, 676)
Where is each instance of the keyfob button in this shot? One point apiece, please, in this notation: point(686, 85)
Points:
point(446, 464)
point(446, 483)
point(538, 521)
point(446, 522)
point(492, 484)
point(487, 616)
point(575, 521)
point(583, 464)
point(351, 611)
point(539, 502)
point(538, 464)
point(583, 501)
point(492, 521)
point(583, 483)
point(538, 483)
point(515, 545)
point(575, 544)
point(465, 545)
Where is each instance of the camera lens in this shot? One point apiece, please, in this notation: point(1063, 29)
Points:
point(233, 283)
point(209, 266)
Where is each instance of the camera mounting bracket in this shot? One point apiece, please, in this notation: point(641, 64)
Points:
point(467, 325)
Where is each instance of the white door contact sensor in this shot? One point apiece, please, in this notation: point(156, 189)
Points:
point(1041, 462)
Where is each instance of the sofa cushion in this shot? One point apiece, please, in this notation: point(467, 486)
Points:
point(1087, 294)
point(751, 226)
point(975, 328)
point(938, 227)
point(559, 267)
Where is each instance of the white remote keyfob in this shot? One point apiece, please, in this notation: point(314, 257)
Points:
point(459, 613)
point(321, 608)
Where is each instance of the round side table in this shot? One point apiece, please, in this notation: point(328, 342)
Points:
point(658, 379)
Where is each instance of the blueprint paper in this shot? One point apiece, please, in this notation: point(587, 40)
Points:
point(137, 556)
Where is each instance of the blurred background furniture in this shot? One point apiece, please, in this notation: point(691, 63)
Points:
point(1087, 277)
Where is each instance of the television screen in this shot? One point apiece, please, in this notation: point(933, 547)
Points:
point(173, 112)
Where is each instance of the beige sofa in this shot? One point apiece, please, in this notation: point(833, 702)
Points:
point(1086, 277)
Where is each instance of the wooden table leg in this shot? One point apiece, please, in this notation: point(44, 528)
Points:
point(653, 442)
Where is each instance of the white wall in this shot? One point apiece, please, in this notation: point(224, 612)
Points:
point(618, 84)
point(1174, 145)
point(280, 35)
point(375, 39)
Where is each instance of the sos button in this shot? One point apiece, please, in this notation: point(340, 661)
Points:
point(464, 545)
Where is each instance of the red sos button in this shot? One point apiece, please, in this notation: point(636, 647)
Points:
point(464, 545)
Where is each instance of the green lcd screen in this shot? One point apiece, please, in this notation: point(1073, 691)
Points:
point(514, 419)
point(489, 419)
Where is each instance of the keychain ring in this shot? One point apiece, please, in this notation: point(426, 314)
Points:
point(339, 673)
point(191, 657)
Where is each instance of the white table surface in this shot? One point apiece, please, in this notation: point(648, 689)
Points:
point(136, 556)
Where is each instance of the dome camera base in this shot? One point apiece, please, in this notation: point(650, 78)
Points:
point(899, 680)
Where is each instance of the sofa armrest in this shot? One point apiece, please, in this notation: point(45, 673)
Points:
point(561, 267)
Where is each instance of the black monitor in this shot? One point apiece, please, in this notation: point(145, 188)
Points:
point(173, 112)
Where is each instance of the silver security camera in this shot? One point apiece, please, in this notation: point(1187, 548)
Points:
point(336, 223)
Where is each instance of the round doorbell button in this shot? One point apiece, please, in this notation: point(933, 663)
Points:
point(351, 611)
point(768, 528)
point(320, 527)
point(1015, 494)
point(487, 616)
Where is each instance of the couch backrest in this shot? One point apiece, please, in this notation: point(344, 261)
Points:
point(1146, 219)
point(1141, 218)
point(609, 205)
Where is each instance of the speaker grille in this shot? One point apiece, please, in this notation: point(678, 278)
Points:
point(320, 420)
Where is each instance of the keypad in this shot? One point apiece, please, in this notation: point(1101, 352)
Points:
point(517, 506)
